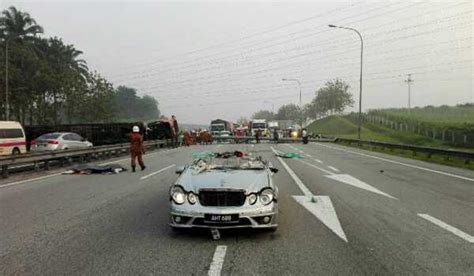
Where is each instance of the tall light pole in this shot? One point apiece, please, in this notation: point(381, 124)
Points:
point(301, 107)
point(360, 81)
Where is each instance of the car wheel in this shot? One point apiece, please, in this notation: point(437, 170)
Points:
point(16, 151)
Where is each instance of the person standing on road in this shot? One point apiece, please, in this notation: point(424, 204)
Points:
point(136, 148)
point(257, 136)
point(275, 136)
point(304, 135)
point(176, 131)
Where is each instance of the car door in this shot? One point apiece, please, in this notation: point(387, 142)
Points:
point(79, 141)
point(68, 141)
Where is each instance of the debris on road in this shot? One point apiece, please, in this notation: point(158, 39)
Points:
point(289, 155)
point(216, 235)
point(86, 169)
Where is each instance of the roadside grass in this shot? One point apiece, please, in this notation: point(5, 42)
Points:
point(345, 128)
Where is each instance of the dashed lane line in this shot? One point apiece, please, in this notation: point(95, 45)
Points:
point(334, 169)
point(401, 163)
point(217, 261)
point(319, 161)
point(157, 172)
point(448, 227)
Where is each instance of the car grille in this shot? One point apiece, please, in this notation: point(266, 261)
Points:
point(222, 198)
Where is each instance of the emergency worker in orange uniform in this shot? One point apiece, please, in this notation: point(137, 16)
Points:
point(136, 148)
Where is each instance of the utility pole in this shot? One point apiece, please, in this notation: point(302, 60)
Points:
point(409, 81)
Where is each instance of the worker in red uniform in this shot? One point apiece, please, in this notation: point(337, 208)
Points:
point(136, 148)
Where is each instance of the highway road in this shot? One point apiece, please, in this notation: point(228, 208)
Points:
point(342, 211)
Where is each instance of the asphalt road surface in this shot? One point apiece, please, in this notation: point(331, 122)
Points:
point(342, 211)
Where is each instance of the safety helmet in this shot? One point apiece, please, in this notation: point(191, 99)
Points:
point(135, 129)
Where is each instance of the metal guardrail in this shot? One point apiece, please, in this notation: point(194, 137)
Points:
point(446, 153)
point(65, 155)
point(280, 140)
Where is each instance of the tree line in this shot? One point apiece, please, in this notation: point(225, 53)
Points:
point(332, 98)
point(45, 81)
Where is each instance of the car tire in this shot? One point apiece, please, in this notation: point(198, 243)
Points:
point(16, 151)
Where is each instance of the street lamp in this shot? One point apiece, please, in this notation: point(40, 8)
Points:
point(301, 107)
point(360, 81)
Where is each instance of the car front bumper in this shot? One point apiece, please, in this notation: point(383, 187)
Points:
point(189, 216)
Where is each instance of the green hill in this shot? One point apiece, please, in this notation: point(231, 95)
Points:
point(346, 127)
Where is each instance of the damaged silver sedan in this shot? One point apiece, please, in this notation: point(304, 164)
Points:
point(224, 190)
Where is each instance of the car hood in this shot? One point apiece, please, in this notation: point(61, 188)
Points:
point(249, 180)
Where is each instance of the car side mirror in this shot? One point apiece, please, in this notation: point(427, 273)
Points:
point(180, 169)
point(83, 139)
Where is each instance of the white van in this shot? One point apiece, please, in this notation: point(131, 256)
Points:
point(12, 138)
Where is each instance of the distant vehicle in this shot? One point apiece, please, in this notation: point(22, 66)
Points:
point(12, 138)
point(158, 130)
point(273, 125)
point(259, 124)
point(99, 134)
point(224, 190)
point(59, 141)
point(221, 127)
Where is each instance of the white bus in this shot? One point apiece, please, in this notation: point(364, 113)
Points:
point(12, 138)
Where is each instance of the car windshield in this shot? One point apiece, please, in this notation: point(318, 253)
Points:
point(217, 127)
point(259, 125)
point(49, 136)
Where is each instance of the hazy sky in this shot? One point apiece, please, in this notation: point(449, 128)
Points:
point(226, 59)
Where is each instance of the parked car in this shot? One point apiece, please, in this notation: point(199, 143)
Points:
point(224, 190)
point(12, 138)
point(59, 141)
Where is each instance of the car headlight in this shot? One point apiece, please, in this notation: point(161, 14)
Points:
point(266, 196)
point(178, 195)
point(252, 198)
point(192, 198)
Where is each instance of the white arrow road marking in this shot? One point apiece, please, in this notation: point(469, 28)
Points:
point(448, 227)
point(334, 169)
point(217, 261)
point(320, 206)
point(349, 179)
point(157, 172)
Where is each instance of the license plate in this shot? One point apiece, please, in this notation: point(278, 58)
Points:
point(221, 218)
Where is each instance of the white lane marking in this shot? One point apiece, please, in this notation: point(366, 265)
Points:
point(309, 155)
point(217, 261)
point(320, 206)
point(334, 169)
point(319, 161)
point(401, 163)
point(298, 181)
point(448, 227)
point(57, 174)
point(350, 180)
point(31, 179)
point(316, 167)
point(157, 172)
